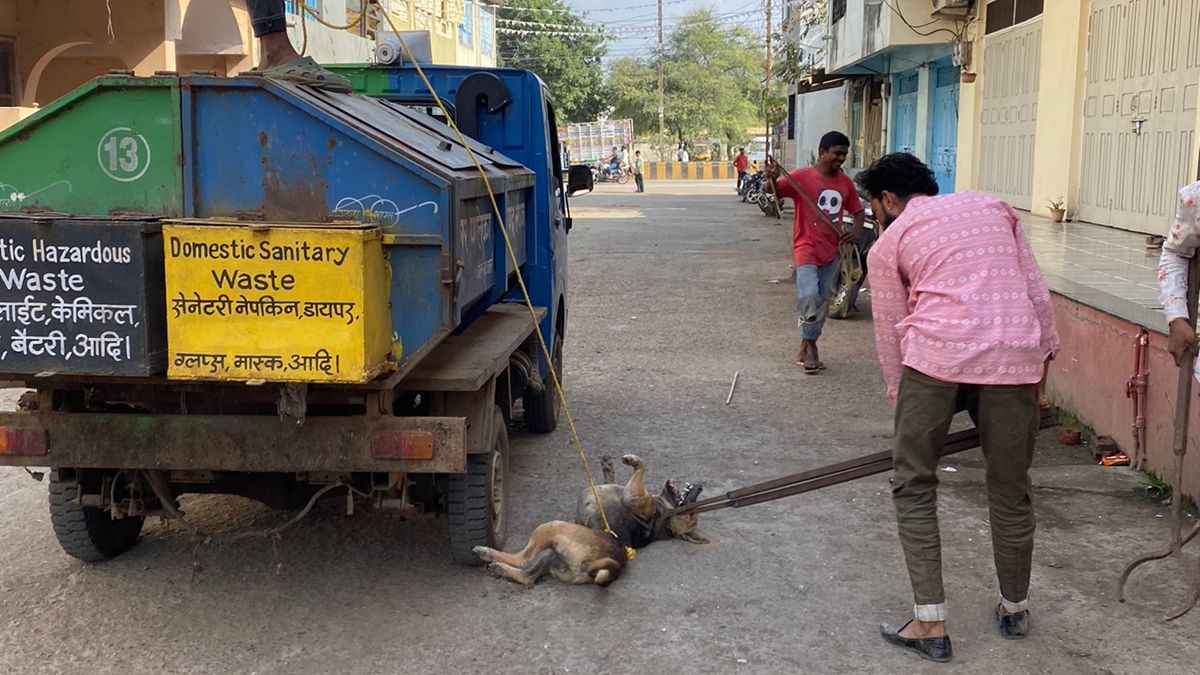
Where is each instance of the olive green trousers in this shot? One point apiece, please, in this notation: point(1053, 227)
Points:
point(1007, 418)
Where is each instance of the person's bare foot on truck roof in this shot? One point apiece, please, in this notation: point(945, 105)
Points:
point(281, 61)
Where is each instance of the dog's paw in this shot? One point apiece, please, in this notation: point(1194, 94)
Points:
point(494, 570)
point(631, 460)
point(483, 553)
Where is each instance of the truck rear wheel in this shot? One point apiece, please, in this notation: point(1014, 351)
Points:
point(84, 532)
point(541, 410)
point(477, 501)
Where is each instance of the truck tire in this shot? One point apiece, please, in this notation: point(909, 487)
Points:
point(87, 533)
point(477, 501)
point(541, 410)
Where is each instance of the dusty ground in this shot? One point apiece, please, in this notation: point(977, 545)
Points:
point(672, 291)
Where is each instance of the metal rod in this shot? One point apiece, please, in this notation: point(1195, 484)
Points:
point(732, 386)
point(1183, 404)
point(834, 474)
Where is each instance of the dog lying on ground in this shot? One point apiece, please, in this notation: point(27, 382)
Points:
point(582, 552)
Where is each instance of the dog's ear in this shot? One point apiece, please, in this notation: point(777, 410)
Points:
point(670, 493)
point(687, 528)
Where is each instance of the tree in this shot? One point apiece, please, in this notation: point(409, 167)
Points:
point(799, 41)
point(713, 82)
point(563, 49)
point(632, 89)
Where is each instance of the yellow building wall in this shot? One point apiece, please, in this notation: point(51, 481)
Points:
point(1057, 162)
point(1056, 155)
point(918, 13)
point(970, 104)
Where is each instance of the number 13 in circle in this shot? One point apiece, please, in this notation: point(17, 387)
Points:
point(124, 154)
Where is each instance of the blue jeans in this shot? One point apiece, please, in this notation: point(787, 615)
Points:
point(814, 286)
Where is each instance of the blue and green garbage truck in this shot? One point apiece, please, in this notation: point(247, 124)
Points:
point(243, 286)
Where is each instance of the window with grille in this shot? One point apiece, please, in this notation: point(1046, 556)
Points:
point(838, 10)
point(293, 6)
point(466, 27)
point(487, 30)
point(8, 86)
point(1003, 14)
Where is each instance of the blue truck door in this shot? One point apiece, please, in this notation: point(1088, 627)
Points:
point(943, 142)
point(904, 113)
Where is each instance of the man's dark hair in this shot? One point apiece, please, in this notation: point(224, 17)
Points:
point(833, 139)
point(899, 173)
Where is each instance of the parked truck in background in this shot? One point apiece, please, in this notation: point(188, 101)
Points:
point(237, 285)
point(589, 142)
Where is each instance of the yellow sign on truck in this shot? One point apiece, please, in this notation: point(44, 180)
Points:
point(275, 302)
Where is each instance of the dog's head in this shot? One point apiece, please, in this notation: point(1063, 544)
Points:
point(685, 526)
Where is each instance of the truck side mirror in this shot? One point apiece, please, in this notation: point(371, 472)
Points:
point(579, 179)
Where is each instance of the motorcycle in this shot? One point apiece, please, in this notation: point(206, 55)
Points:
point(751, 187)
point(852, 270)
point(768, 203)
point(604, 173)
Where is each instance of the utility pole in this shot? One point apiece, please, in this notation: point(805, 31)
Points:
point(767, 93)
point(661, 100)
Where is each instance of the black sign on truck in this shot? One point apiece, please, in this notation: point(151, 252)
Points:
point(81, 297)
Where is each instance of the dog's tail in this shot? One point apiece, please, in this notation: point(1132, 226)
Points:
point(606, 468)
point(605, 571)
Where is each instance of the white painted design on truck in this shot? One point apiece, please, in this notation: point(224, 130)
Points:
point(12, 197)
point(377, 209)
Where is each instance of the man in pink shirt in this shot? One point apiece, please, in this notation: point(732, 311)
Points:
point(963, 321)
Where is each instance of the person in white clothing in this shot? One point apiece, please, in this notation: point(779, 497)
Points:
point(1182, 241)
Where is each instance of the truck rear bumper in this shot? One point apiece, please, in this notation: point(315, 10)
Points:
point(234, 442)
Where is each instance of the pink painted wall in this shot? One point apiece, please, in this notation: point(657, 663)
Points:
point(1088, 380)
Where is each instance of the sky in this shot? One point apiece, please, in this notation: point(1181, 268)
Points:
point(635, 20)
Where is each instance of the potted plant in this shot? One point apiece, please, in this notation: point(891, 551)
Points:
point(1058, 210)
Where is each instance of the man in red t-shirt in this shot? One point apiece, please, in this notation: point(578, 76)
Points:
point(816, 236)
point(740, 163)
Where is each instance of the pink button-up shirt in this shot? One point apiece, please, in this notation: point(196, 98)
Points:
point(957, 294)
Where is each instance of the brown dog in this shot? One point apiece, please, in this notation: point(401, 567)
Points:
point(582, 552)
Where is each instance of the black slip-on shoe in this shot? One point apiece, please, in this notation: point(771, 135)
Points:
point(935, 649)
point(1012, 626)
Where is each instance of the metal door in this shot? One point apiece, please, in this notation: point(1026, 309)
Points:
point(943, 142)
point(1009, 118)
point(904, 113)
point(1143, 72)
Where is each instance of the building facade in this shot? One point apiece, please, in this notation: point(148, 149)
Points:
point(1093, 101)
point(46, 51)
point(892, 63)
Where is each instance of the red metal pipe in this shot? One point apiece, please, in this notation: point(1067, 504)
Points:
point(1136, 390)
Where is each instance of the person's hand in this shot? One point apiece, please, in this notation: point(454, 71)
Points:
point(851, 236)
point(772, 169)
point(1180, 339)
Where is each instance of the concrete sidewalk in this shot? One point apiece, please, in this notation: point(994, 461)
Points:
point(1102, 267)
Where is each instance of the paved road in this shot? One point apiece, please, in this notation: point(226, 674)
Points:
point(672, 291)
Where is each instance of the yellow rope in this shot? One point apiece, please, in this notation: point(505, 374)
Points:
point(850, 265)
point(313, 13)
point(508, 245)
